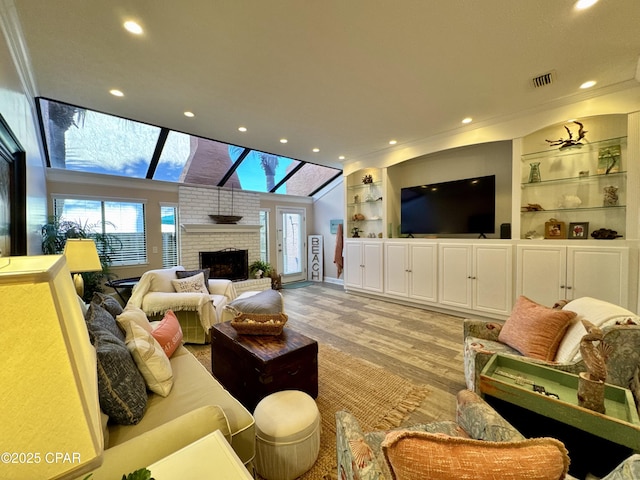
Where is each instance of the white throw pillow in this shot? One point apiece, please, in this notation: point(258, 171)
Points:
point(194, 284)
point(153, 363)
point(135, 315)
point(595, 311)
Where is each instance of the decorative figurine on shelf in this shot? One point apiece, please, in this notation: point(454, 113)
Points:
point(595, 354)
point(605, 234)
point(355, 232)
point(367, 179)
point(569, 142)
point(358, 217)
point(610, 196)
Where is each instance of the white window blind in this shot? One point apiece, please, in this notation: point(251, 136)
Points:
point(125, 221)
point(169, 237)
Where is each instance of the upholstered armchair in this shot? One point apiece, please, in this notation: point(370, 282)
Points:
point(369, 455)
point(477, 445)
point(556, 344)
point(197, 309)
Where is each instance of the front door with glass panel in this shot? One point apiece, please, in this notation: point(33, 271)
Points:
point(292, 258)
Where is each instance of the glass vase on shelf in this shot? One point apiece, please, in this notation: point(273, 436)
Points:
point(534, 172)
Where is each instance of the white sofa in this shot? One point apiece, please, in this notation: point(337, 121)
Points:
point(196, 405)
point(196, 312)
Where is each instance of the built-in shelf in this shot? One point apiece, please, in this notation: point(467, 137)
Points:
point(219, 228)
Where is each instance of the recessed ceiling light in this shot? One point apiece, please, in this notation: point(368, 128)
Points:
point(588, 84)
point(316, 150)
point(341, 157)
point(116, 93)
point(242, 129)
point(392, 142)
point(189, 114)
point(582, 4)
point(283, 140)
point(133, 27)
point(467, 120)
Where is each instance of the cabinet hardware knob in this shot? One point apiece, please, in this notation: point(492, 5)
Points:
point(569, 288)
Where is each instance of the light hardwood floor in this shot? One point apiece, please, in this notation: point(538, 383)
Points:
point(418, 344)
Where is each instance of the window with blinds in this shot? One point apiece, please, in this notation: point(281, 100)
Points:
point(169, 236)
point(122, 220)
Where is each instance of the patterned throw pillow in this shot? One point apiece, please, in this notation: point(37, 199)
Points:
point(535, 330)
point(121, 388)
point(99, 318)
point(107, 302)
point(194, 284)
point(151, 360)
point(192, 273)
point(416, 455)
point(168, 333)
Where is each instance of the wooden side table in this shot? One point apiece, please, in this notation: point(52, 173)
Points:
point(210, 457)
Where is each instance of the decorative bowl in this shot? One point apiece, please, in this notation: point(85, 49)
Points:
point(226, 218)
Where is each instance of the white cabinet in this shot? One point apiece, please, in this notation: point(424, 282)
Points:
point(363, 265)
point(548, 273)
point(476, 277)
point(411, 270)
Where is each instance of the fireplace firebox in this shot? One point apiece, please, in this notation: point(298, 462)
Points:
point(230, 263)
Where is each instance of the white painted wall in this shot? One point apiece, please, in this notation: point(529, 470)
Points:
point(328, 206)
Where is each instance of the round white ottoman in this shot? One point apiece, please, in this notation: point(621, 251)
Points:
point(287, 435)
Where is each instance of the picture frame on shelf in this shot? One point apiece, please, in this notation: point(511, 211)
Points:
point(579, 230)
point(555, 230)
point(609, 160)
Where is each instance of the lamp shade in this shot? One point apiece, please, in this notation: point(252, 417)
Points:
point(49, 409)
point(82, 255)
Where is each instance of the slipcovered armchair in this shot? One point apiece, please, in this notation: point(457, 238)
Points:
point(551, 337)
point(197, 311)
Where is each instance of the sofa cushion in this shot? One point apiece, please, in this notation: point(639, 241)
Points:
point(121, 388)
point(194, 284)
point(598, 312)
point(168, 333)
point(98, 318)
point(133, 315)
point(193, 387)
point(191, 273)
point(414, 455)
point(150, 359)
point(107, 302)
point(535, 330)
point(266, 301)
point(160, 279)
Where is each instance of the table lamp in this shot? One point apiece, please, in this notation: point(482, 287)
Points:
point(82, 256)
point(50, 415)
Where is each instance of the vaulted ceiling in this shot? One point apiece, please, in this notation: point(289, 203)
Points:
point(345, 77)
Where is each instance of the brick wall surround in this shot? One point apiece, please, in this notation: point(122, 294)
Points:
point(195, 204)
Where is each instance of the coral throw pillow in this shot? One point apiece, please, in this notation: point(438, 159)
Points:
point(535, 330)
point(168, 333)
point(418, 455)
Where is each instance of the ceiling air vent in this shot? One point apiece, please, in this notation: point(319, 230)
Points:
point(543, 80)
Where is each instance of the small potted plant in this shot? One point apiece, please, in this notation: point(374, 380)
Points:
point(260, 269)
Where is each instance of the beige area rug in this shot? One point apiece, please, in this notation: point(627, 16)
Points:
point(379, 399)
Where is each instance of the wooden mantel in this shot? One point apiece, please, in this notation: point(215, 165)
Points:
point(219, 228)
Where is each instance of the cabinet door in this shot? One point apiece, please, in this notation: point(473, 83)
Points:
point(541, 273)
point(372, 261)
point(353, 266)
point(492, 278)
point(601, 273)
point(423, 272)
point(395, 269)
point(455, 274)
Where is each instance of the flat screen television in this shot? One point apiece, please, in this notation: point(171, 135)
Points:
point(459, 206)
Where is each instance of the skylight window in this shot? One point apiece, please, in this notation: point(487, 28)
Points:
point(88, 141)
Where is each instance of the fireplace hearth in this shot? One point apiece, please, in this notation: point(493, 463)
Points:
point(230, 263)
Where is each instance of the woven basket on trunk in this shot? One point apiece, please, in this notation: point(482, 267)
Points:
point(259, 323)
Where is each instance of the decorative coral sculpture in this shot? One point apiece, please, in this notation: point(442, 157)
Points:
point(594, 352)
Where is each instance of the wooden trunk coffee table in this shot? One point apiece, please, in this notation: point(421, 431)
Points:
point(254, 366)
